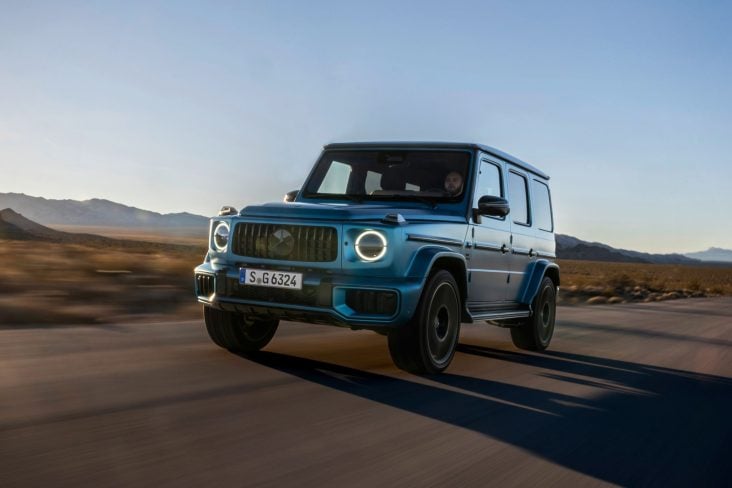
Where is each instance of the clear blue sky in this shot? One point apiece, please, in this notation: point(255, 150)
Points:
point(187, 106)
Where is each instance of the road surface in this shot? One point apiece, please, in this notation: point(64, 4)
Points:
point(628, 395)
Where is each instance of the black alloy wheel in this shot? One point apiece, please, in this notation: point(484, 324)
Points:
point(427, 343)
point(535, 333)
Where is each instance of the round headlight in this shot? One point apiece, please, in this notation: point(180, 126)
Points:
point(370, 245)
point(221, 236)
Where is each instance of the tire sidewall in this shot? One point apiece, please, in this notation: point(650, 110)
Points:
point(234, 332)
point(546, 297)
point(425, 326)
point(259, 331)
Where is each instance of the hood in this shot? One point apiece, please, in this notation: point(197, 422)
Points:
point(348, 212)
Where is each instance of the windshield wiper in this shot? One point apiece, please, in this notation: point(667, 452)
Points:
point(336, 196)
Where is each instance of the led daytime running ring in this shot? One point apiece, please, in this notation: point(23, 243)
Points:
point(224, 236)
point(381, 238)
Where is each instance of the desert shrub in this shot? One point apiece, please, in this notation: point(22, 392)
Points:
point(655, 278)
point(620, 282)
point(81, 284)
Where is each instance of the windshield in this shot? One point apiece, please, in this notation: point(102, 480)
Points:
point(431, 175)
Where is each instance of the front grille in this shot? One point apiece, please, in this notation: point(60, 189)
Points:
point(285, 242)
point(313, 296)
point(204, 285)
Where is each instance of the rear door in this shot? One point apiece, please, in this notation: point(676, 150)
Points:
point(523, 245)
point(542, 220)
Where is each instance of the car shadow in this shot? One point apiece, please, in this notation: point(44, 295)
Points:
point(643, 425)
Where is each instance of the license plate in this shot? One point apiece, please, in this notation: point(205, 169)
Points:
point(270, 278)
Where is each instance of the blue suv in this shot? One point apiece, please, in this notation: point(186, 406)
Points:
point(406, 239)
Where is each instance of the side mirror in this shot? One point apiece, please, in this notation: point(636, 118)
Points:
point(290, 196)
point(227, 210)
point(493, 206)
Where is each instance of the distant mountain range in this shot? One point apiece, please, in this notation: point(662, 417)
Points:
point(569, 247)
point(712, 254)
point(37, 213)
point(95, 212)
point(14, 226)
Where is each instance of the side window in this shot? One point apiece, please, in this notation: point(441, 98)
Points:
point(518, 198)
point(489, 182)
point(336, 180)
point(542, 206)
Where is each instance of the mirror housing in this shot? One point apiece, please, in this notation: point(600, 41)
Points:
point(227, 210)
point(493, 206)
point(290, 196)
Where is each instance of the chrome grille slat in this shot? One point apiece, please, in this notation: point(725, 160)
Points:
point(307, 241)
point(204, 285)
point(320, 247)
point(298, 256)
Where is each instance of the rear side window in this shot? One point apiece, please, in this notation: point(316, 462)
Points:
point(542, 206)
point(518, 198)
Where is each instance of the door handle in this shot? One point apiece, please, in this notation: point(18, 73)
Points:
point(504, 249)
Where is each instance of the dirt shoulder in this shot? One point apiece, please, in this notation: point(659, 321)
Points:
point(57, 283)
point(591, 282)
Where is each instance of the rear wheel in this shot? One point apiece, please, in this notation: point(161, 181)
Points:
point(427, 343)
point(234, 332)
point(536, 332)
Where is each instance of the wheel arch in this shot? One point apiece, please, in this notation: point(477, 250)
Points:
point(432, 258)
point(536, 273)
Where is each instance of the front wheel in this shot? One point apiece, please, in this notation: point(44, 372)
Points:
point(536, 332)
point(427, 343)
point(232, 331)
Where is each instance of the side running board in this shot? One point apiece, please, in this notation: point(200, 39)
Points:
point(500, 314)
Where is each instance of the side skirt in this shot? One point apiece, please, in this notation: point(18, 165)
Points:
point(501, 317)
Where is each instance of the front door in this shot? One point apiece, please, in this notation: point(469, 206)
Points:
point(490, 241)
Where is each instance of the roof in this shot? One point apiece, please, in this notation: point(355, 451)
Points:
point(440, 145)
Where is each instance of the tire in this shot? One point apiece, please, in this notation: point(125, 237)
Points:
point(427, 343)
point(232, 331)
point(535, 333)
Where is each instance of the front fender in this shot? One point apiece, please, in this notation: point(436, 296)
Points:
point(428, 257)
point(534, 276)
point(425, 258)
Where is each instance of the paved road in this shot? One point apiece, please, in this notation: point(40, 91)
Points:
point(628, 395)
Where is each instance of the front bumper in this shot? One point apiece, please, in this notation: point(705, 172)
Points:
point(326, 297)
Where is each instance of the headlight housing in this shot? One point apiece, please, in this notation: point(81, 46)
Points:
point(221, 236)
point(370, 245)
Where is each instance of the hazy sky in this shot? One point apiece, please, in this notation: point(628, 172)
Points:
point(188, 106)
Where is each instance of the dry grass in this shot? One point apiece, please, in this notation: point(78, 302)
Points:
point(617, 282)
point(191, 236)
point(50, 283)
